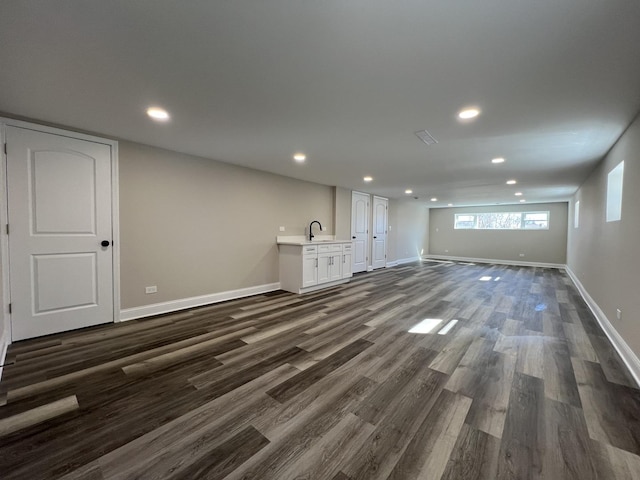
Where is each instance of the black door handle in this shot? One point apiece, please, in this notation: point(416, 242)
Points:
point(353, 238)
point(375, 237)
point(105, 243)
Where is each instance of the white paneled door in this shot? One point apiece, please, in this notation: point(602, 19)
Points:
point(360, 230)
point(380, 219)
point(60, 232)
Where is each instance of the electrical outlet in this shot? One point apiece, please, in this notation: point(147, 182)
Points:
point(446, 251)
point(324, 229)
point(618, 314)
point(522, 254)
point(152, 289)
point(282, 229)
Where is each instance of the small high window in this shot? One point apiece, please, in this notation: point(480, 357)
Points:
point(502, 221)
point(614, 193)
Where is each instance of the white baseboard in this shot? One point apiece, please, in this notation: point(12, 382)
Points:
point(628, 356)
point(4, 345)
point(174, 305)
point(402, 261)
point(496, 261)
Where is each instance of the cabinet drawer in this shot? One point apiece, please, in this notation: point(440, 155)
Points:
point(310, 250)
point(332, 247)
point(346, 247)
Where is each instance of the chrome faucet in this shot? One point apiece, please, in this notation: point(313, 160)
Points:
point(311, 235)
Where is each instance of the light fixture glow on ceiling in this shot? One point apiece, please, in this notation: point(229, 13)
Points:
point(518, 194)
point(367, 178)
point(468, 113)
point(158, 113)
point(511, 182)
point(408, 191)
point(522, 201)
point(497, 160)
point(450, 205)
point(299, 157)
point(434, 199)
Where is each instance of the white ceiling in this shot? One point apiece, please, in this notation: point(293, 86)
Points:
point(348, 82)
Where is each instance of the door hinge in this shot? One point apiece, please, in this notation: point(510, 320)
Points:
point(7, 229)
point(5, 148)
point(9, 308)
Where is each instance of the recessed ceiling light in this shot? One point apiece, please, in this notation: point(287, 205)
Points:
point(434, 199)
point(518, 194)
point(157, 113)
point(497, 160)
point(367, 179)
point(408, 191)
point(511, 182)
point(522, 201)
point(468, 113)
point(299, 157)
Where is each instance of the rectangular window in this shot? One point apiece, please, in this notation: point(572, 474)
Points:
point(614, 193)
point(502, 221)
point(576, 214)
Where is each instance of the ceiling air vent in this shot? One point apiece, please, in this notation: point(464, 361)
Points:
point(426, 137)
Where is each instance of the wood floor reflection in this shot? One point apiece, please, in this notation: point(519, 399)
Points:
point(332, 385)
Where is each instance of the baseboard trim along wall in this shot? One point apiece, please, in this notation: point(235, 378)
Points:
point(628, 356)
point(494, 260)
point(175, 305)
point(402, 261)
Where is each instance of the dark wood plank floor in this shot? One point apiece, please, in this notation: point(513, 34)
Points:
point(332, 385)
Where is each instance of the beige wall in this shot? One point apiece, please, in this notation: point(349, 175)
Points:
point(410, 229)
point(342, 211)
point(543, 246)
point(193, 226)
point(604, 256)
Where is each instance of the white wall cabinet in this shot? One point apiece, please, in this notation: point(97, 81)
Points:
point(306, 267)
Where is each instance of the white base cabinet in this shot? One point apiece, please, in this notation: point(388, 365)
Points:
point(308, 267)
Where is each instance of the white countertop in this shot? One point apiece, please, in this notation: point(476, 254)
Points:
point(302, 240)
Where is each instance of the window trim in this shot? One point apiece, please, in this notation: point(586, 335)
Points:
point(522, 214)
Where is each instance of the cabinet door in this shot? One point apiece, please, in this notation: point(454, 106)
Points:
point(324, 266)
point(346, 265)
point(336, 266)
point(309, 271)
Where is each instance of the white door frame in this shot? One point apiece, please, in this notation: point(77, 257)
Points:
point(4, 238)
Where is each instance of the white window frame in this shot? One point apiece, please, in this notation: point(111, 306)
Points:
point(615, 181)
point(523, 216)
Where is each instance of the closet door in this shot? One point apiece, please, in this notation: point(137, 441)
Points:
point(360, 230)
point(380, 220)
point(60, 237)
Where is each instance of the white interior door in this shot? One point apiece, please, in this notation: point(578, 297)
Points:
point(59, 209)
point(379, 250)
point(360, 230)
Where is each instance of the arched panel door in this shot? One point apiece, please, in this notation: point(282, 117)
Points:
point(60, 240)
